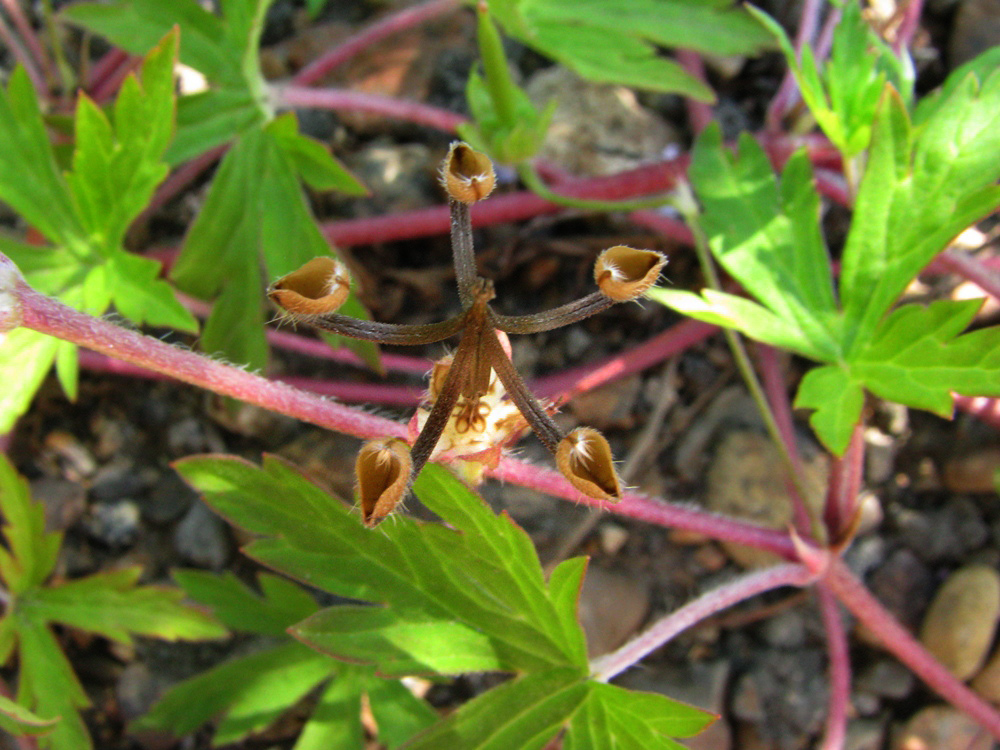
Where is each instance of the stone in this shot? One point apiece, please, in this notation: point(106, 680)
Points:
point(64, 501)
point(987, 682)
point(201, 538)
point(114, 524)
point(865, 734)
point(904, 585)
point(746, 480)
point(959, 625)
point(597, 128)
point(973, 471)
point(169, 499)
point(976, 29)
point(887, 678)
point(941, 728)
point(612, 607)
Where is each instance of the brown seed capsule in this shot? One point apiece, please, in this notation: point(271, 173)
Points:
point(467, 175)
point(320, 286)
point(584, 458)
point(383, 474)
point(624, 273)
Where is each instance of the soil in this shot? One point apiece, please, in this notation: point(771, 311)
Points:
point(102, 464)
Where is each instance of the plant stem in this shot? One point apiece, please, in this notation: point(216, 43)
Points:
point(788, 94)
point(711, 602)
point(31, 41)
point(743, 364)
point(970, 269)
point(403, 19)
point(844, 486)
point(21, 55)
point(835, 731)
point(290, 97)
point(898, 641)
point(47, 315)
point(986, 409)
point(699, 114)
point(535, 183)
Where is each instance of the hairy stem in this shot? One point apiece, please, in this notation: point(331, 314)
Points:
point(901, 643)
point(291, 97)
point(835, 731)
point(710, 603)
point(558, 317)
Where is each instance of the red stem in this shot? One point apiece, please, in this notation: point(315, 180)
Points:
point(710, 603)
point(699, 113)
point(835, 732)
point(788, 92)
point(8, 37)
point(970, 269)
point(908, 26)
point(986, 409)
point(31, 40)
point(107, 87)
point(898, 641)
point(183, 176)
point(289, 96)
point(105, 67)
point(845, 485)
point(404, 19)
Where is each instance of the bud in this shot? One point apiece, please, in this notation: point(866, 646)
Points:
point(624, 273)
point(467, 175)
point(584, 458)
point(383, 474)
point(320, 286)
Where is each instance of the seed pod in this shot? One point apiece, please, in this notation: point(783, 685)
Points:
point(320, 286)
point(624, 273)
point(467, 175)
point(584, 458)
point(383, 474)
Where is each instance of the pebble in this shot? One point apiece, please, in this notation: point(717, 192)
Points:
point(746, 480)
point(612, 607)
point(785, 630)
point(976, 29)
point(880, 455)
point(115, 524)
point(959, 625)
point(119, 479)
point(169, 499)
point(972, 471)
point(941, 728)
point(904, 585)
point(201, 538)
point(610, 406)
point(613, 537)
point(865, 734)
point(597, 128)
point(64, 501)
point(887, 678)
point(945, 535)
point(987, 682)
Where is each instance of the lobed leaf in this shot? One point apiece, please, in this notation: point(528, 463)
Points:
point(111, 604)
point(17, 720)
point(485, 578)
point(31, 552)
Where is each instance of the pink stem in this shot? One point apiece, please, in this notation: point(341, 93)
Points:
point(776, 391)
point(576, 380)
point(844, 486)
point(110, 84)
point(403, 19)
point(671, 228)
point(699, 113)
point(31, 40)
point(898, 641)
point(105, 67)
point(47, 315)
point(710, 603)
point(20, 305)
point(425, 222)
point(788, 93)
point(316, 348)
point(288, 96)
point(649, 509)
point(908, 26)
point(367, 393)
point(970, 269)
point(840, 670)
point(21, 55)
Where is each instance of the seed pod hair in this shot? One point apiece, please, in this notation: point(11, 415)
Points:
point(584, 458)
point(624, 273)
point(382, 471)
point(467, 175)
point(320, 286)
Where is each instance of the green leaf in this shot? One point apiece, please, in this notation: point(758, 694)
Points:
point(618, 41)
point(140, 295)
point(843, 95)
point(312, 159)
point(254, 216)
point(30, 181)
point(25, 358)
point(336, 722)
point(31, 552)
point(916, 359)
point(914, 199)
point(250, 692)
point(398, 713)
point(837, 400)
point(981, 67)
point(280, 604)
point(19, 721)
point(48, 687)
point(766, 235)
point(484, 578)
point(630, 720)
point(112, 605)
point(524, 713)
